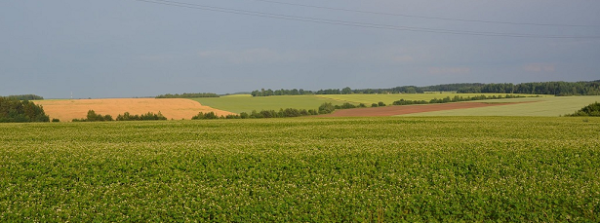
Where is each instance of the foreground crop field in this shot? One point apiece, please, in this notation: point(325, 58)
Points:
point(303, 170)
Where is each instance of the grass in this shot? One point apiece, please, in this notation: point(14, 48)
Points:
point(544, 106)
point(247, 103)
point(368, 99)
point(410, 169)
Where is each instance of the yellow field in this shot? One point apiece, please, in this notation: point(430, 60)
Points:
point(172, 108)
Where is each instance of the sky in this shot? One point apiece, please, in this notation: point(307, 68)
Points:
point(139, 48)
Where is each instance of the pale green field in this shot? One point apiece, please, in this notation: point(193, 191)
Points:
point(247, 103)
point(390, 98)
point(543, 106)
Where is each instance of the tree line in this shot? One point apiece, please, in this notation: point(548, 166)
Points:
point(189, 95)
point(347, 90)
point(25, 97)
point(16, 110)
point(456, 98)
point(93, 117)
point(559, 88)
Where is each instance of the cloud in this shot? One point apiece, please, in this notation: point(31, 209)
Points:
point(539, 67)
point(449, 70)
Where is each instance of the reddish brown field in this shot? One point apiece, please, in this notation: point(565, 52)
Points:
point(172, 108)
point(407, 109)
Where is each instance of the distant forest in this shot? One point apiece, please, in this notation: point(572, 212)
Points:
point(558, 88)
point(189, 95)
point(15, 110)
point(25, 97)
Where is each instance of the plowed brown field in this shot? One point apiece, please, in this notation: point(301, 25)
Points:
point(407, 109)
point(172, 108)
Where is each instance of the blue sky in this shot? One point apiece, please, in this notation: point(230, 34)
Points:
point(129, 48)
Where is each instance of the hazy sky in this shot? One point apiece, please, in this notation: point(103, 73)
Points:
point(129, 48)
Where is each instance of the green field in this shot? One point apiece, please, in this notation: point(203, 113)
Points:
point(544, 106)
point(247, 103)
point(368, 99)
point(414, 169)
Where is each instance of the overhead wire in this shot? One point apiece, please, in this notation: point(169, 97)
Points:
point(424, 17)
point(355, 24)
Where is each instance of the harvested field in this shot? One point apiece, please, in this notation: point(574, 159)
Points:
point(409, 109)
point(172, 108)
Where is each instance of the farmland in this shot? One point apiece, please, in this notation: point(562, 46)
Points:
point(544, 106)
point(320, 169)
point(247, 103)
point(172, 108)
point(389, 98)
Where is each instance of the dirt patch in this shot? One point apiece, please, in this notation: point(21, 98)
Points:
point(172, 108)
point(408, 109)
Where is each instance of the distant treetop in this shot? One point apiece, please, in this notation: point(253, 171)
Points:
point(189, 95)
point(26, 97)
point(15, 110)
point(553, 88)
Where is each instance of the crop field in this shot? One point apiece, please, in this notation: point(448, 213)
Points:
point(368, 99)
point(247, 103)
point(172, 108)
point(411, 109)
point(390, 169)
point(544, 106)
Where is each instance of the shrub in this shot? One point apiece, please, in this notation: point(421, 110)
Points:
point(590, 110)
point(326, 108)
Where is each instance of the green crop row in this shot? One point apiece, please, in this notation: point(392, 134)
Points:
point(303, 170)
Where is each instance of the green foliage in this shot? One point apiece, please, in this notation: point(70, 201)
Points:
point(590, 110)
point(150, 116)
point(453, 169)
point(409, 102)
point(559, 88)
point(55, 120)
point(93, 117)
point(551, 88)
point(208, 115)
point(326, 108)
point(346, 106)
point(26, 97)
point(189, 95)
point(15, 110)
point(346, 90)
point(456, 98)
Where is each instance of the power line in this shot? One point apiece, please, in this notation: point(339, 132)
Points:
point(355, 24)
point(425, 17)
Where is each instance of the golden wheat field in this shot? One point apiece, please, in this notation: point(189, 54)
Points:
point(172, 108)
